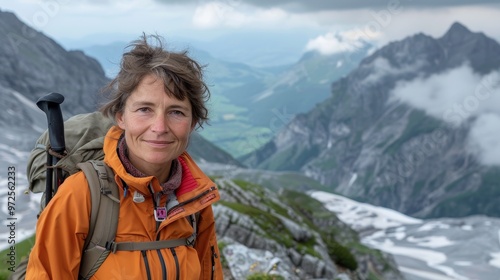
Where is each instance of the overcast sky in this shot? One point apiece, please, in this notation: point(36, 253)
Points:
point(322, 21)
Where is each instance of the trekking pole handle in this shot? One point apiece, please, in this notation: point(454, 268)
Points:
point(50, 105)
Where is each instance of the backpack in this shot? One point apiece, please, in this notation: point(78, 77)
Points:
point(84, 137)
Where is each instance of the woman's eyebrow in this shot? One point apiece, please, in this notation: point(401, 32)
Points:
point(178, 106)
point(150, 104)
point(142, 103)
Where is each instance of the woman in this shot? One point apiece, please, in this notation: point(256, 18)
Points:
point(156, 100)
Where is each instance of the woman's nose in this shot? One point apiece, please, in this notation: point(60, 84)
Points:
point(159, 124)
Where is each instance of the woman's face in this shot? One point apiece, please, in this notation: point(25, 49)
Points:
point(157, 127)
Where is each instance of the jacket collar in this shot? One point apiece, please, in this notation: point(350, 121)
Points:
point(193, 179)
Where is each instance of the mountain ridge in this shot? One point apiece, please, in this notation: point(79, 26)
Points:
point(367, 143)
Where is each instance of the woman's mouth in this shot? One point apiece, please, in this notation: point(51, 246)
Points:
point(158, 144)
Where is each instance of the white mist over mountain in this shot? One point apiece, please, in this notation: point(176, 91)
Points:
point(460, 96)
point(381, 67)
point(452, 96)
point(485, 138)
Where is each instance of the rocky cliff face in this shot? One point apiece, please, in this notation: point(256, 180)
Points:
point(34, 65)
point(290, 235)
point(367, 143)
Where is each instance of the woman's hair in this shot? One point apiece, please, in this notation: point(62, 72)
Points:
point(181, 75)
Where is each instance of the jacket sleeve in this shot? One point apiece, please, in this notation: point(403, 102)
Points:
point(206, 245)
point(61, 231)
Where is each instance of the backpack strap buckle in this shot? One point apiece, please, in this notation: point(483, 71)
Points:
point(190, 240)
point(102, 174)
point(111, 246)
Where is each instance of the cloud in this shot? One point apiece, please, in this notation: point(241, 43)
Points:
point(380, 67)
point(340, 42)
point(438, 93)
point(457, 96)
point(221, 14)
point(215, 14)
point(208, 16)
point(453, 96)
point(380, 21)
point(484, 138)
point(321, 5)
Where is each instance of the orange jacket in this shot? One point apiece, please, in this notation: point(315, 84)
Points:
point(64, 223)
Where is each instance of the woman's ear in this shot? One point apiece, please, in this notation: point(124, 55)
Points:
point(193, 125)
point(119, 120)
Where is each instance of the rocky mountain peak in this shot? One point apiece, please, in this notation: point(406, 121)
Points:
point(457, 33)
point(463, 45)
point(419, 47)
point(456, 47)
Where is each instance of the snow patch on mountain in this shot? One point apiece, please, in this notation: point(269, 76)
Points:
point(25, 101)
point(464, 249)
point(367, 216)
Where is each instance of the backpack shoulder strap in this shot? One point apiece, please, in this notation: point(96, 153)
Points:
point(102, 227)
point(194, 218)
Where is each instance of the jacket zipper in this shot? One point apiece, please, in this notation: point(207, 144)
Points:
point(191, 199)
point(145, 258)
point(214, 256)
point(154, 204)
point(160, 257)
point(163, 268)
point(177, 270)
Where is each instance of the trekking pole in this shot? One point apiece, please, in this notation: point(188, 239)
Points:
point(50, 105)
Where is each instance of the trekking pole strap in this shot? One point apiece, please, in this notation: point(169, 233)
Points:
point(151, 245)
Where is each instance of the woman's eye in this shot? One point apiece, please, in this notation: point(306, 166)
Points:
point(143, 109)
point(177, 113)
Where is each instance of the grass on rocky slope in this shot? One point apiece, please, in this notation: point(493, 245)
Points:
point(473, 202)
point(418, 123)
point(22, 250)
point(306, 209)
